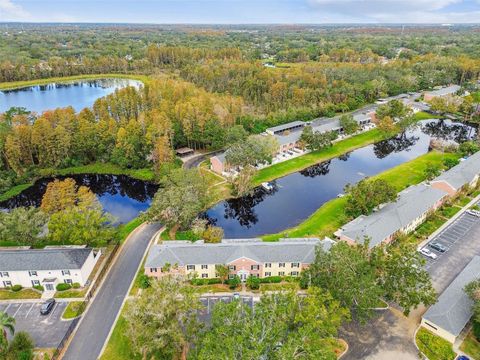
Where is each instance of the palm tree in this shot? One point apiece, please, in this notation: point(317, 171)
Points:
point(6, 323)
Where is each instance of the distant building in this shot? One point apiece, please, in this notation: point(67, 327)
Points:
point(294, 125)
point(244, 257)
point(46, 267)
point(453, 310)
point(185, 151)
point(449, 90)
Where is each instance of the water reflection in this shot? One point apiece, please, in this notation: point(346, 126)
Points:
point(121, 196)
point(298, 195)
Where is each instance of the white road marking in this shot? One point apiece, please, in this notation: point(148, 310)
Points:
point(28, 312)
point(17, 310)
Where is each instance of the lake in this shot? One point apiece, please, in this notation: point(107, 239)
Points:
point(121, 196)
point(295, 197)
point(78, 94)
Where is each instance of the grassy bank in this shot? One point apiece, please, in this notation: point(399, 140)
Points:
point(14, 191)
point(471, 346)
point(119, 346)
point(73, 310)
point(20, 84)
point(331, 215)
point(315, 157)
point(433, 346)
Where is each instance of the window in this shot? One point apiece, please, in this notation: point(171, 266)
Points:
point(7, 283)
point(4, 274)
point(204, 276)
point(295, 265)
point(152, 270)
point(232, 267)
point(35, 282)
point(65, 272)
point(294, 273)
point(254, 267)
point(268, 273)
point(190, 267)
point(268, 265)
point(32, 273)
point(281, 264)
point(281, 273)
point(204, 266)
point(256, 275)
point(68, 281)
point(231, 276)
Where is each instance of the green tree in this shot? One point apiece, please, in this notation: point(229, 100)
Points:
point(315, 140)
point(213, 234)
point(366, 195)
point(255, 149)
point(64, 194)
point(243, 183)
point(7, 324)
point(222, 272)
point(21, 347)
point(431, 171)
point(234, 282)
point(162, 321)
point(349, 125)
point(182, 195)
point(283, 326)
point(449, 163)
point(22, 225)
point(253, 282)
point(468, 148)
point(395, 109)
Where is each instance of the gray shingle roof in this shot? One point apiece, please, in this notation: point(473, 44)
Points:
point(43, 259)
point(287, 126)
point(462, 173)
point(411, 204)
point(453, 309)
point(290, 138)
point(286, 250)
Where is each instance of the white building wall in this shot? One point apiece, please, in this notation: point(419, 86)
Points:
point(88, 266)
point(437, 330)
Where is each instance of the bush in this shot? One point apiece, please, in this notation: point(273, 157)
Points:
point(433, 346)
point(17, 288)
point(144, 282)
point(253, 282)
point(476, 330)
point(39, 287)
point(198, 282)
point(21, 347)
point(213, 234)
point(271, 280)
point(63, 287)
point(234, 282)
point(76, 285)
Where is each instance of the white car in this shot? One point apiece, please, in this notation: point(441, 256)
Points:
point(474, 212)
point(427, 253)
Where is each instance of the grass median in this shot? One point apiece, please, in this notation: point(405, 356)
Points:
point(331, 215)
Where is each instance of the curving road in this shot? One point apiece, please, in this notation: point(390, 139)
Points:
point(95, 326)
point(195, 161)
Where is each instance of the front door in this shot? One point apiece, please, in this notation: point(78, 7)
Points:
point(243, 274)
point(49, 287)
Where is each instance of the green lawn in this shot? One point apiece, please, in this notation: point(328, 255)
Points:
point(73, 310)
point(119, 345)
point(471, 346)
point(22, 294)
point(279, 286)
point(20, 84)
point(72, 293)
point(433, 346)
point(330, 216)
point(14, 191)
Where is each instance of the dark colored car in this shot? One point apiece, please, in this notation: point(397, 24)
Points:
point(463, 357)
point(47, 306)
point(439, 247)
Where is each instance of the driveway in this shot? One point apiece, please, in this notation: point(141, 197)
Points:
point(195, 161)
point(46, 330)
point(95, 326)
point(390, 335)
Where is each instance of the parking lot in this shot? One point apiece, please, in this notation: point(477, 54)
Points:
point(46, 330)
point(210, 301)
point(453, 233)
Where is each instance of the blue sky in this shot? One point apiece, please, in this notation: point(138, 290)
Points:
point(242, 11)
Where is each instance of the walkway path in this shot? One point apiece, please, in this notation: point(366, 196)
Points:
point(95, 326)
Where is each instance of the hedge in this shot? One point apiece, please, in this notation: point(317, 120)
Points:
point(206, 281)
point(39, 287)
point(16, 288)
point(63, 287)
point(433, 346)
point(271, 280)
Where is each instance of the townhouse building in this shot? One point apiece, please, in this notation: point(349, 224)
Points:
point(244, 257)
point(47, 267)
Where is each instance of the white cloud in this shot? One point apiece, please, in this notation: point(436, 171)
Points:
point(395, 10)
point(9, 11)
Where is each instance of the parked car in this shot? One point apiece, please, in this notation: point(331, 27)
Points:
point(427, 253)
point(463, 357)
point(47, 307)
point(474, 212)
point(437, 246)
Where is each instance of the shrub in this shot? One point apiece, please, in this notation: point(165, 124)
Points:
point(63, 287)
point(144, 282)
point(17, 288)
point(76, 285)
point(199, 282)
point(433, 346)
point(271, 280)
point(253, 282)
point(476, 330)
point(234, 282)
point(21, 347)
point(213, 234)
point(39, 287)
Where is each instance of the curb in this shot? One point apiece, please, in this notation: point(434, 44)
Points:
point(449, 221)
point(152, 240)
point(346, 347)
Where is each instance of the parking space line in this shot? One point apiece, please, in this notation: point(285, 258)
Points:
point(53, 310)
point(7, 307)
point(17, 310)
point(28, 312)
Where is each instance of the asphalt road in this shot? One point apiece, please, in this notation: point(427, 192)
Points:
point(194, 162)
point(46, 330)
point(95, 326)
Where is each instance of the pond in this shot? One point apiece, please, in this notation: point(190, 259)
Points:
point(78, 94)
point(121, 196)
point(295, 197)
